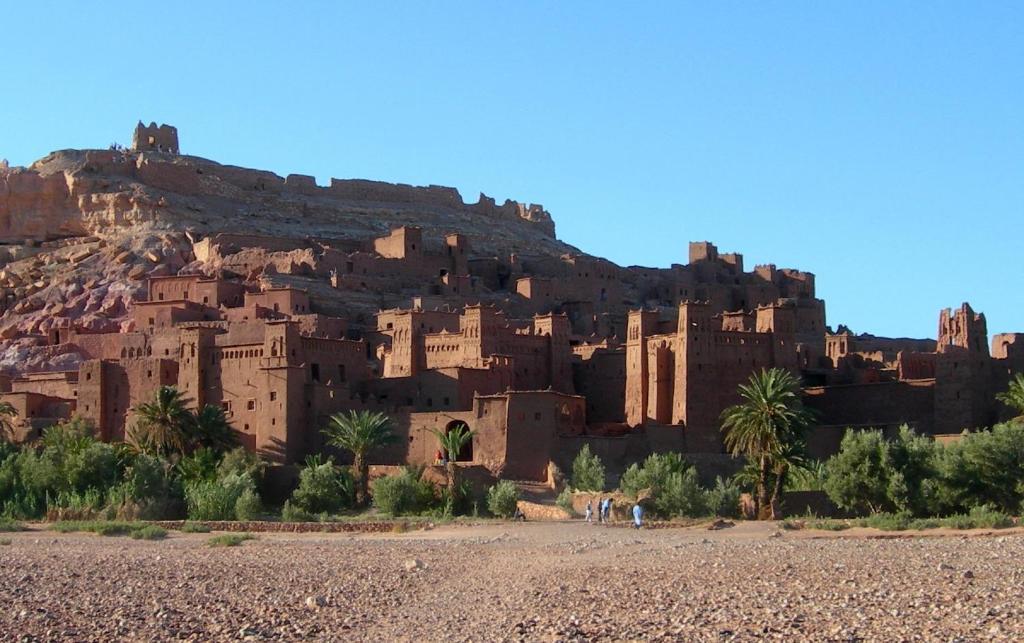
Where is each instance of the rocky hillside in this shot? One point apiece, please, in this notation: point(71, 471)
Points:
point(81, 230)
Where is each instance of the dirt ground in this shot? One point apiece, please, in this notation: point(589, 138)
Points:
point(516, 581)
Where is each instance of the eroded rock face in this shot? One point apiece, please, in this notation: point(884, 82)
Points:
point(82, 192)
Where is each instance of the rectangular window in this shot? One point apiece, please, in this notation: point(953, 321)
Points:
point(273, 395)
point(250, 405)
point(314, 371)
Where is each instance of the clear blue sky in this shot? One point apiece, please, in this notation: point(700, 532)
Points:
point(878, 146)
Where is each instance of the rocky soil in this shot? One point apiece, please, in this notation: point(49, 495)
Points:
point(532, 581)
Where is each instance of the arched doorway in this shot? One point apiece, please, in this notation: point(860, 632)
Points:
point(466, 453)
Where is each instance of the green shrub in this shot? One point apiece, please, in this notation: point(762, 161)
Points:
point(4, 542)
point(670, 484)
point(680, 495)
point(462, 503)
point(112, 528)
point(148, 491)
point(248, 505)
point(885, 521)
point(402, 494)
point(983, 468)
point(93, 467)
point(101, 527)
point(927, 523)
point(502, 498)
point(241, 462)
point(988, 517)
point(564, 500)
point(229, 540)
point(149, 532)
point(724, 498)
point(856, 478)
point(810, 477)
point(74, 505)
point(829, 525)
point(291, 513)
point(6, 524)
point(323, 487)
point(217, 499)
point(201, 464)
point(913, 474)
point(587, 471)
point(194, 528)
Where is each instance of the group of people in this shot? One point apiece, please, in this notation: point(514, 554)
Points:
point(604, 512)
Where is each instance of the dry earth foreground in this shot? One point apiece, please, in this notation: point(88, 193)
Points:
point(532, 581)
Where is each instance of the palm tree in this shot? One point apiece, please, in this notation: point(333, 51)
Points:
point(164, 422)
point(359, 432)
point(1013, 396)
point(209, 427)
point(767, 428)
point(7, 411)
point(452, 442)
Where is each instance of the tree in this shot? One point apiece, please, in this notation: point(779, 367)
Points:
point(359, 432)
point(587, 471)
point(209, 428)
point(767, 427)
point(1013, 396)
point(7, 411)
point(452, 441)
point(164, 423)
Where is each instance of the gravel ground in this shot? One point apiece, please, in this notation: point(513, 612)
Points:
point(533, 581)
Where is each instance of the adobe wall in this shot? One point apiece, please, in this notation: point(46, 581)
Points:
point(879, 404)
point(62, 385)
point(535, 420)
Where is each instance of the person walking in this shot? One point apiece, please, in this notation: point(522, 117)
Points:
point(590, 511)
point(608, 509)
point(638, 515)
point(600, 510)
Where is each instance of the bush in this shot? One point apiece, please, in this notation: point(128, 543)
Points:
point(323, 487)
point(984, 468)
point(201, 464)
point(101, 527)
point(564, 500)
point(463, 502)
point(502, 498)
point(73, 505)
point(670, 485)
point(856, 478)
point(885, 521)
point(147, 492)
point(912, 474)
point(241, 463)
point(149, 532)
point(291, 513)
point(6, 524)
point(988, 517)
point(4, 542)
point(248, 506)
point(724, 498)
point(402, 494)
point(229, 540)
point(587, 471)
point(217, 499)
